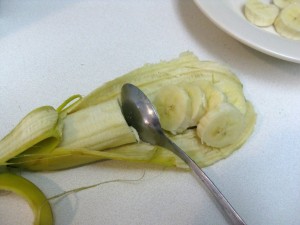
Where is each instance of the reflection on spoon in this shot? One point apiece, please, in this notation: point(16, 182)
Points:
point(140, 114)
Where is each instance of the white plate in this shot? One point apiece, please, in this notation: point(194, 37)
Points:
point(228, 15)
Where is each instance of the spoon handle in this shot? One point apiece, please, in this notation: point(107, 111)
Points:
point(225, 205)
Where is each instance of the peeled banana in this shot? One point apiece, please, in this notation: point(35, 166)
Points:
point(283, 15)
point(287, 23)
point(284, 3)
point(213, 95)
point(261, 14)
point(198, 101)
point(201, 106)
point(233, 93)
point(221, 126)
point(174, 108)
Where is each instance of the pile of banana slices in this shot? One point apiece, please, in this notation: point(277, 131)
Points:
point(201, 104)
point(284, 15)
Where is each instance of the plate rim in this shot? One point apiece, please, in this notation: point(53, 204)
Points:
point(241, 29)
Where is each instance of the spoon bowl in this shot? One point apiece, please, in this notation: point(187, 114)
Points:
point(139, 113)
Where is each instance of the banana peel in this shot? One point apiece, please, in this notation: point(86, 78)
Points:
point(31, 193)
point(92, 128)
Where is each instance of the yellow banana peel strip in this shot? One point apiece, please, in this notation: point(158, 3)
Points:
point(31, 193)
point(41, 128)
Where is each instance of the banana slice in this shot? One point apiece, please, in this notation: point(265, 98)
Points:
point(261, 14)
point(198, 99)
point(287, 23)
point(221, 126)
point(234, 94)
point(284, 3)
point(174, 108)
point(214, 96)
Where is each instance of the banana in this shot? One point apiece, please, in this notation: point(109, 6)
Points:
point(287, 23)
point(174, 108)
point(261, 14)
point(214, 96)
point(221, 126)
point(199, 103)
point(181, 107)
point(234, 94)
point(284, 3)
point(32, 194)
point(94, 128)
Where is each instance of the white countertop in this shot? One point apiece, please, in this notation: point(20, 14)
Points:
point(50, 50)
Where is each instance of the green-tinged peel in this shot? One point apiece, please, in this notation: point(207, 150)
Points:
point(62, 158)
point(93, 128)
point(39, 125)
point(31, 193)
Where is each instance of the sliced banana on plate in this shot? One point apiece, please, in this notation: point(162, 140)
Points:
point(287, 23)
point(261, 14)
point(284, 3)
point(283, 15)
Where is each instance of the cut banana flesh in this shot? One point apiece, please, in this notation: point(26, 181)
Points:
point(186, 92)
point(174, 108)
point(198, 100)
point(283, 15)
point(214, 96)
point(260, 14)
point(287, 23)
point(221, 126)
point(183, 106)
point(284, 3)
point(233, 93)
point(98, 121)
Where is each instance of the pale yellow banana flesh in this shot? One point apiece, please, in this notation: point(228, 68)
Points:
point(204, 155)
point(287, 23)
point(94, 129)
point(259, 13)
point(282, 15)
point(174, 108)
point(284, 3)
point(198, 102)
point(221, 126)
point(214, 96)
point(87, 127)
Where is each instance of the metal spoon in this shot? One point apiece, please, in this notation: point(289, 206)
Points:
point(140, 114)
